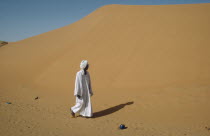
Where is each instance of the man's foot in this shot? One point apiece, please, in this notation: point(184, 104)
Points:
point(72, 114)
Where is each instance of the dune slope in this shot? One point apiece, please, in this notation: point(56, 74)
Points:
point(134, 46)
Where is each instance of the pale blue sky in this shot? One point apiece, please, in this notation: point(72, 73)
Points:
point(20, 19)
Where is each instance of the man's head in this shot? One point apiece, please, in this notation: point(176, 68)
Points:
point(84, 65)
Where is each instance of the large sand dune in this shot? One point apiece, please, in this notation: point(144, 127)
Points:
point(156, 57)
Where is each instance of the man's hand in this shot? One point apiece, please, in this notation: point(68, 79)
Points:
point(78, 96)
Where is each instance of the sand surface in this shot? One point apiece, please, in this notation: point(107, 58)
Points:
point(149, 65)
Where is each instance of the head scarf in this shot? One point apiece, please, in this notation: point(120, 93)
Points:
point(83, 65)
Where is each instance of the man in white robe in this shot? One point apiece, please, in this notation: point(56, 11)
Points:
point(83, 91)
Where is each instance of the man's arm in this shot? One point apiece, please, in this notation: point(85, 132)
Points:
point(77, 90)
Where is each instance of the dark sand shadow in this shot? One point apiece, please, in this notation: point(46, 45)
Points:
point(110, 110)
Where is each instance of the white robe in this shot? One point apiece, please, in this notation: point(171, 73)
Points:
point(83, 88)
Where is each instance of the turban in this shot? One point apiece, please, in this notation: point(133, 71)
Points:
point(83, 64)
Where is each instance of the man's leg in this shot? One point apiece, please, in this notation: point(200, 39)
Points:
point(75, 109)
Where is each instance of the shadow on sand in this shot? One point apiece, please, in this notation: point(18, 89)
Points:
point(110, 110)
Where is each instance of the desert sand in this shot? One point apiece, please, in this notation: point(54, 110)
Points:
point(149, 66)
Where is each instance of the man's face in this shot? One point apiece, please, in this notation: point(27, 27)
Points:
point(86, 68)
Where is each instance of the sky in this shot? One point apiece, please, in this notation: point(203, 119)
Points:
point(21, 19)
